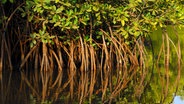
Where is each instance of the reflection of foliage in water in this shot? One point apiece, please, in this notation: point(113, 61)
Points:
point(162, 89)
point(181, 83)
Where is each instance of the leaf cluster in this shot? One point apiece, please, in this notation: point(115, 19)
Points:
point(129, 18)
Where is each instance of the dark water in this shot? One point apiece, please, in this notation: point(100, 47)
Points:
point(13, 88)
point(21, 87)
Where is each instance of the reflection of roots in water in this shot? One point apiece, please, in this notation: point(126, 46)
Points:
point(85, 71)
point(42, 85)
point(164, 57)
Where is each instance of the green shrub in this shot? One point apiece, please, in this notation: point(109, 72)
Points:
point(130, 18)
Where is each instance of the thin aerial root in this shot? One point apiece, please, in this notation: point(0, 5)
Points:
point(27, 56)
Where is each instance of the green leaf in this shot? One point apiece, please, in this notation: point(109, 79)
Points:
point(41, 32)
point(68, 28)
point(54, 8)
point(33, 35)
point(140, 1)
point(136, 34)
point(62, 37)
point(67, 4)
point(161, 25)
point(114, 21)
point(98, 16)
point(47, 1)
point(21, 9)
point(75, 21)
point(44, 40)
point(100, 33)
point(153, 13)
point(98, 36)
point(86, 37)
point(60, 9)
point(30, 18)
point(57, 24)
point(51, 37)
point(122, 22)
point(34, 41)
point(83, 22)
point(31, 44)
point(56, 1)
point(89, 10)
point(181, 18)
point(56, 18)
point(126, 36)
point(67, 23)
point(23, 14)
point(75, 27)
point(95, 8)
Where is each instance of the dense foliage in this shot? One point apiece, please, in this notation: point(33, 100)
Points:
point(131, 18)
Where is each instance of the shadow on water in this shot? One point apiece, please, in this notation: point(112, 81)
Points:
point(30, 87)
point(11, 88)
